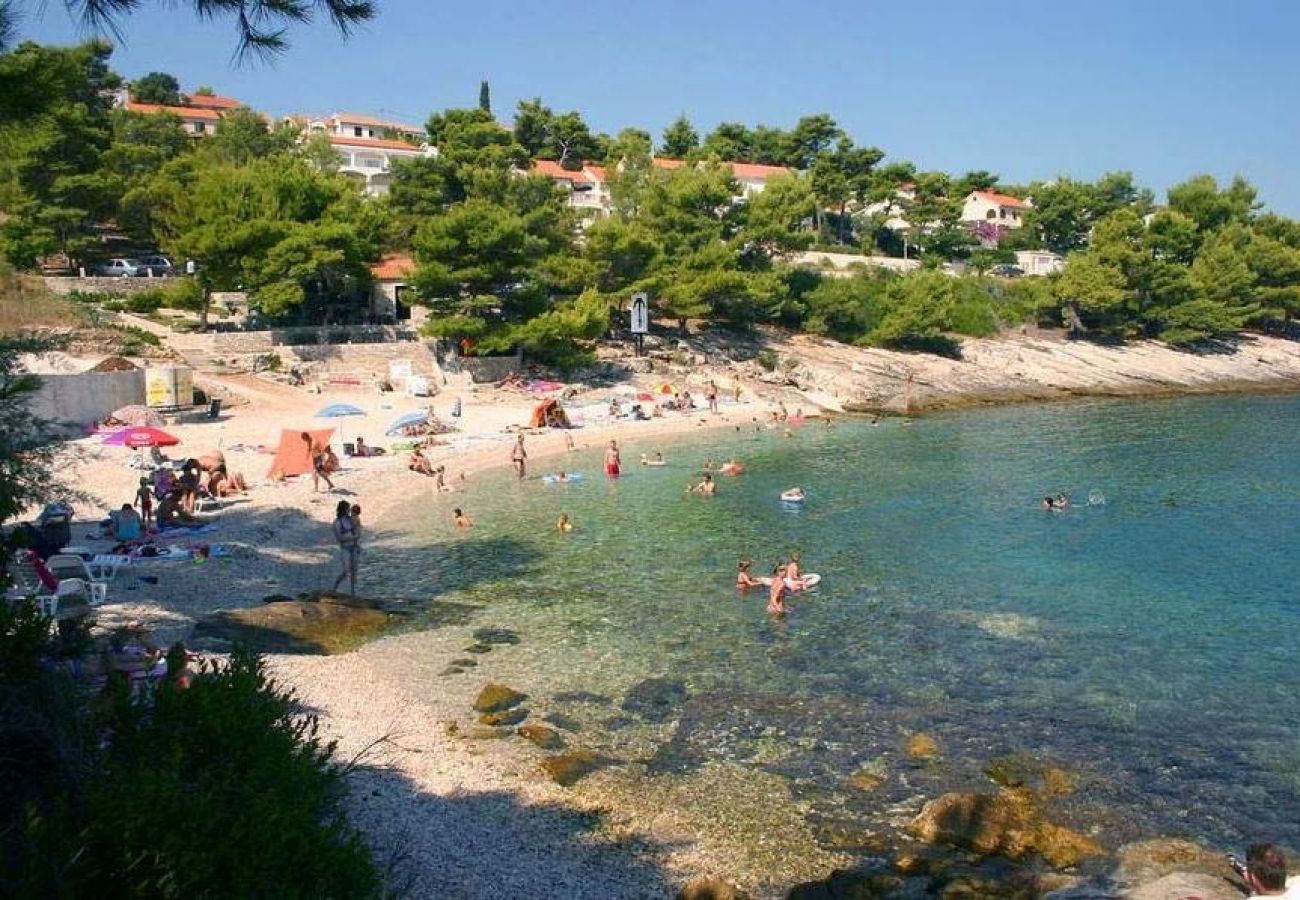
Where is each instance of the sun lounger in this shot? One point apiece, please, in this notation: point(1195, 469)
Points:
point(66, 566)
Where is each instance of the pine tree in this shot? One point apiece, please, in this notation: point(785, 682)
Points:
point(484, 96)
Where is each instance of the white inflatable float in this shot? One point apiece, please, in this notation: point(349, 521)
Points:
point(794, 495)
point(556, 479)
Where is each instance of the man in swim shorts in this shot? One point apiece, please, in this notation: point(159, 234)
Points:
point(613, 461)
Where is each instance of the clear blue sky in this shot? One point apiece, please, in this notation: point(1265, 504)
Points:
point(1030, 90)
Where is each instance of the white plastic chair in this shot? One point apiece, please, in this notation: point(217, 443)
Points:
point(65, 566)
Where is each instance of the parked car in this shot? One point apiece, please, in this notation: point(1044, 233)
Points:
point(157, 266)
point(1007, 270)
point(118, 268)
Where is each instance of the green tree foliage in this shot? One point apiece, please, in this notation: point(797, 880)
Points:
point(680, 139)
point(1200, 199)
point(262, 25)
point(774, 219)
point(274, 226)
point(917, 310)
point(157, 87)
point(1065, 210)
point(52, 189)
point(564, 137)
point(485, 97)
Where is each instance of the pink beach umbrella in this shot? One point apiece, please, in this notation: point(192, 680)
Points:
point(136, 438)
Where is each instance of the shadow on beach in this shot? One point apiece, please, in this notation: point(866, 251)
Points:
point(494, 844)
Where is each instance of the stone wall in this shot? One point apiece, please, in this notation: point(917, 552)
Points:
point(363, 359)
point(484, 369)
point(842, 263)
point(236, 342)
point(116, 287)
point(80, 399)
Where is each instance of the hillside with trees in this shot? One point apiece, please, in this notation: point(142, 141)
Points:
point(503, 260)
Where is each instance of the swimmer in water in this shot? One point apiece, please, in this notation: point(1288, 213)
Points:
point(461, 520)
point(707, 486)
point(776, 595)
point(744, 580)
point(1048, 502)
point(1062, 500)
point(794, 574)
point(564, 523)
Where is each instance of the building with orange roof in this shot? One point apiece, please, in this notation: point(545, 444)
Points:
point(990, 207)
point(195, 121)
point(389, 299)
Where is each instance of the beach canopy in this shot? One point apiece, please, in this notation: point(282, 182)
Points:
point(406, 420)
point(137, 415)
point(339, 410)
point(293, 456)
point(549, 412)
point(667, 389)
point(141, 437)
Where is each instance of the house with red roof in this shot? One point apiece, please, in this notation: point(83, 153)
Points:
point(753, 177)
point(195, 121)
point(588, 190)
point(389, 301)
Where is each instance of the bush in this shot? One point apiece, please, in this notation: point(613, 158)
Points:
point(137, 341)
point(767, 359)
point(221, 789)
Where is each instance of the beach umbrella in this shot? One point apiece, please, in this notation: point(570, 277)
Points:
point(667, 389)
point(141, 437)
point(137, 415)
point(418, 417)
point(338, 410)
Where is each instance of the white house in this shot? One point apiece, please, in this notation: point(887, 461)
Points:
point(199, 113)
point(1039, 262)
point(367, 145)
point(990, 207)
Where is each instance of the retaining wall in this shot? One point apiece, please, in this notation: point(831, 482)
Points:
point(78, 400)
point(116, 287)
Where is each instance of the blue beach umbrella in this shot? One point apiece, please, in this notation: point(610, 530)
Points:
point(338, 410)
point(418, 417)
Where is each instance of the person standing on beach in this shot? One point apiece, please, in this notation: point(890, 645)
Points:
point(347, 531)
point(518, 457)
point(144, 498)
point(319, 463)
point(712, 396)
point(613, 462)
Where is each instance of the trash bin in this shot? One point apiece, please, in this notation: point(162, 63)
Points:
point(214, 408)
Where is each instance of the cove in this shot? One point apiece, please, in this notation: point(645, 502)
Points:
point(1145, 640)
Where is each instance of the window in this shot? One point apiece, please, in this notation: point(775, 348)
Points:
point(991, 214)
point(200, 127)
point(356, 131)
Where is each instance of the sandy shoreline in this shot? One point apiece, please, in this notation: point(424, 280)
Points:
point(475, 816)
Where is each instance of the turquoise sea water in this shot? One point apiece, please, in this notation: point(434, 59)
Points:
point(1149, 642)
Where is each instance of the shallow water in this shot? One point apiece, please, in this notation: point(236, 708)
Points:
point(1147, 642)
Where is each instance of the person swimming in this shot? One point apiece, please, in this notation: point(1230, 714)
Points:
point(564, 523)
point(1048, 502)
point(461, 520)
point(794, 573)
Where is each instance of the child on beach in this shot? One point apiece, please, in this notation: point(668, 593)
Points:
point(144, 499)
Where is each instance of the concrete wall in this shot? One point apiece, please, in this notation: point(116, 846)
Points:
point(86, 397)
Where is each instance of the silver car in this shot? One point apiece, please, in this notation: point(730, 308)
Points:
point(118, 268)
